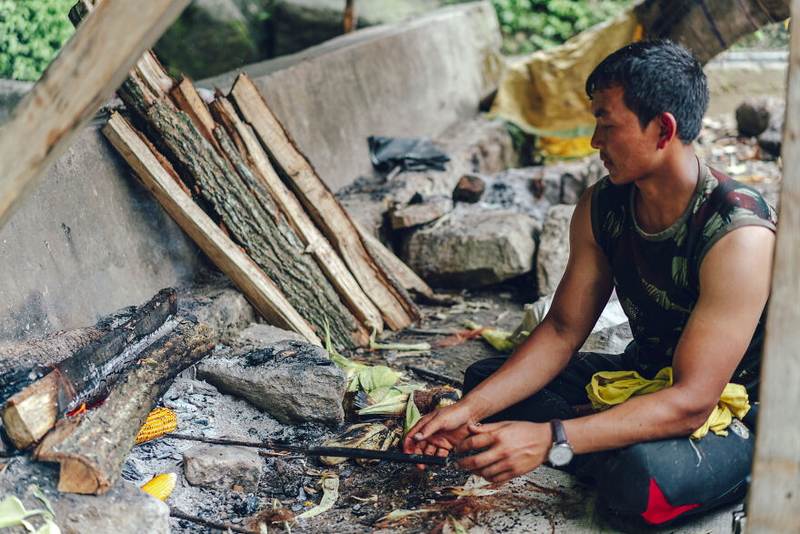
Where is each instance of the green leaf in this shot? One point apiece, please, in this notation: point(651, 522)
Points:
point(412, 413)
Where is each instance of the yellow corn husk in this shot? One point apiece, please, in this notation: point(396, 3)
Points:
point(161, 486)
point(160, 421)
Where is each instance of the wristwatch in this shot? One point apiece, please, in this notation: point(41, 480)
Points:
point(561, 451)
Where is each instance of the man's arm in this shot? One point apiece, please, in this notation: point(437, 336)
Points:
point(734, 287)
point(577, 303)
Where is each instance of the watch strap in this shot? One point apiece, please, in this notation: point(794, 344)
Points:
point(559, 434)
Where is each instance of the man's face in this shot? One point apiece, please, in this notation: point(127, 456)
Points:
point(627, 150)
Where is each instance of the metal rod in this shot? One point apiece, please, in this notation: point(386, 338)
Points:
point(433, 375)
point(344, 452)
point(224, 527)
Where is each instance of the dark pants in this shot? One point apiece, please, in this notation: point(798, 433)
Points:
point(659, 480)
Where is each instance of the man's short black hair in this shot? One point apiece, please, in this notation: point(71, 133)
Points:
point(656, 76)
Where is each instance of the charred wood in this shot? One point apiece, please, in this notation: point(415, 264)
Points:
point(86, 375)
point(93, 446)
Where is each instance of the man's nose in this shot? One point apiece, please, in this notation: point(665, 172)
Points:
point(595, 143)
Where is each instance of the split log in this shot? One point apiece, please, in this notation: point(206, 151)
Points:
point(405, 276)
point(84, 376)
point(188, 100)
point(264, 234)
point(162, 181)
point(398, 311)
point(265, 182)
point(92, 447)
point(74, 86)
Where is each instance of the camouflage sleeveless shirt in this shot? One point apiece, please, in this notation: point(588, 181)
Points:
point(657, 276)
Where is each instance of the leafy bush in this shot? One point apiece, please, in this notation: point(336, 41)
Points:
point(31, 34)
point(530, 25)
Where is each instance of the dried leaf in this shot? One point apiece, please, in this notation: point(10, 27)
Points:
point(330, 488)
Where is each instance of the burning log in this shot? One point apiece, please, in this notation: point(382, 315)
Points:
point(84, 376)
point(261, 230)
point(92, 447)
point(398, 311)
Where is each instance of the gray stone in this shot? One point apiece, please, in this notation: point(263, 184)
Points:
point(222, 468)
point(292, 381)
point(421, 213)
point(755, 115)
point(211, 37)
point(123, 509)
point(553, 251)
point(474, 247)
point(528, 190)
point(261, 335)
point(423, 76)
point(221, 306)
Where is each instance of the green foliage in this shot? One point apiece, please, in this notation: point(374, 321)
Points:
point(530, 25)
point(31, 34)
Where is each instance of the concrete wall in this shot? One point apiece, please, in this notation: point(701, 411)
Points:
point(91, 239)
point(407, 79)
point(736, 75)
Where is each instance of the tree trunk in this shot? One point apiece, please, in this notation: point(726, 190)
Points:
point(92, 448)
point(263, 233)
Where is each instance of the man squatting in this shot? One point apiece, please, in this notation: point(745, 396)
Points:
point(689, 252)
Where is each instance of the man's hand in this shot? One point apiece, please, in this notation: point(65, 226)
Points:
point(439, 431)
point(514, 448)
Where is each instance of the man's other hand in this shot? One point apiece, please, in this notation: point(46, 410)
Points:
point(439, 431)
point(514, 448)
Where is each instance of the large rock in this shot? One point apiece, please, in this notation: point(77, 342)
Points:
point(222, 468)
point(123, 509)
point(219, 305)
point(553, 251)
point(211, 37)
point(473, 247)
point(299, 24)
point(292, 381)
point(262, 335)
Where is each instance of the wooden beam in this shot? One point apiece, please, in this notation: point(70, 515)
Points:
point(773, 504)
point(80, 79)
point(322, 205)
point(163, 183)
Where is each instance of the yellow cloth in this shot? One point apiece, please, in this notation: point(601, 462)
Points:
point(544, 95)
point(609, 388)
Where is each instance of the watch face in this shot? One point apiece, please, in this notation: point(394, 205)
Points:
point(560, 454)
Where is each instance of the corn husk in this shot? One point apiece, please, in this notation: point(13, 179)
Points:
point(499, 339)
point(359, 436)
point(373, 378)
point(412, 414)
point(330, 492)
point(374, 345)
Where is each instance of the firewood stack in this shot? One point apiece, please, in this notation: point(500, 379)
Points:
point(233, 178)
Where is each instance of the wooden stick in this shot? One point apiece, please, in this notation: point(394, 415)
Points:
point(224, 527)
point(398, 310)
point(433, 375)
point(92, 447)
point(75, 85)
point(86, 375)
point(316, 244)
point(773, 504)
point(162, 182)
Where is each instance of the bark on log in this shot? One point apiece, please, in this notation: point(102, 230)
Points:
point(398, 310)
point(161, 180)
point(264, 183)
point(84, 376)
point(92, 447)
point(265, 235)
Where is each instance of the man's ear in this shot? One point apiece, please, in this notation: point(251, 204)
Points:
point(668, 128)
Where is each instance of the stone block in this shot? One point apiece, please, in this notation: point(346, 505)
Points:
point(221, 468)
point(292, 381)
point(473, 248)
point(422, 213)
point(553, 251)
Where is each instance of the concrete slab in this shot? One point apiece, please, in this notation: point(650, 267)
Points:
point(410, 79)
point(88, 241)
